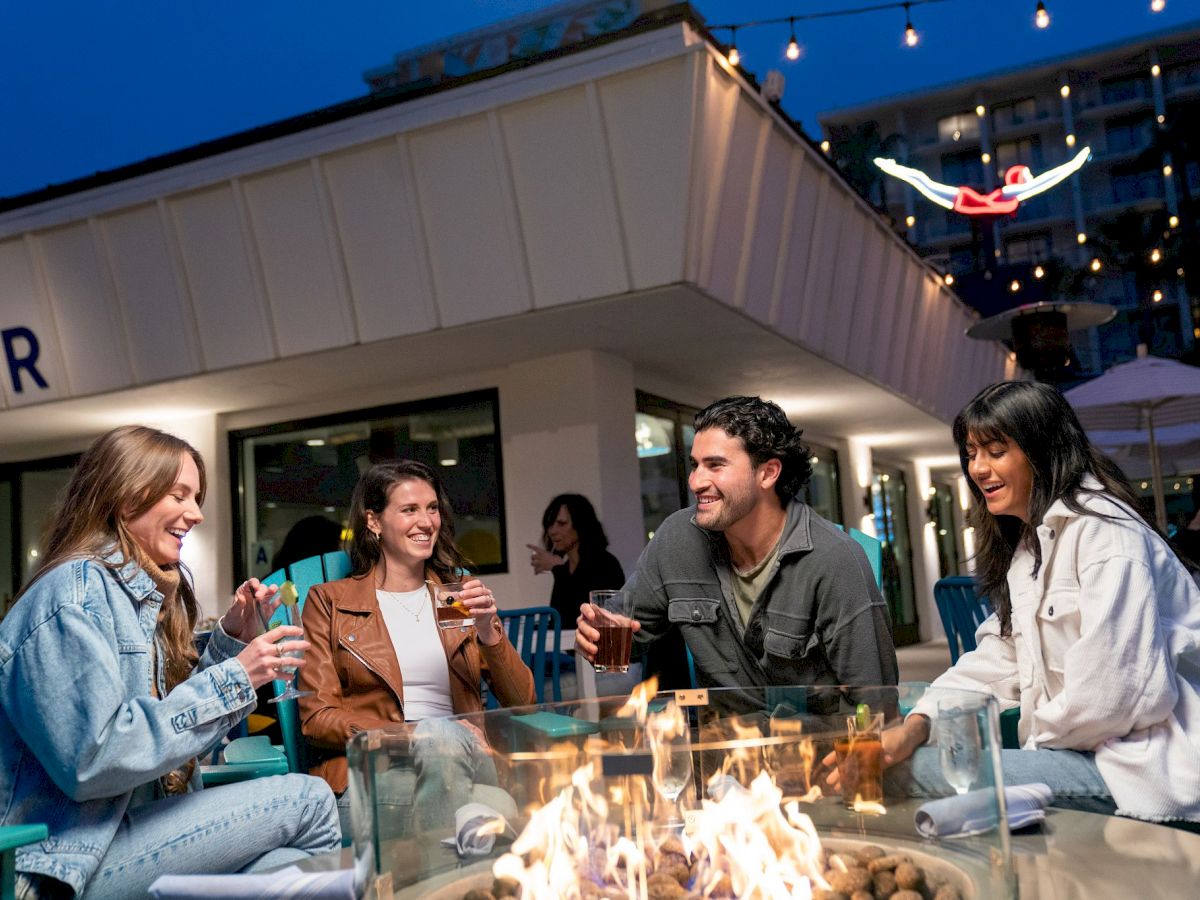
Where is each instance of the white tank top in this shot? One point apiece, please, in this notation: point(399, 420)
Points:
point(412, 626)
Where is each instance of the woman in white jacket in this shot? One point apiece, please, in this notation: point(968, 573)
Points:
point(1096, 634)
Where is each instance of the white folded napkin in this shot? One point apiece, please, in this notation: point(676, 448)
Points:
point(476, 826)
point(975, 811)
point(289, 882)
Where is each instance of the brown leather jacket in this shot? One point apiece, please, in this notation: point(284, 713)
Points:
point(355, 677)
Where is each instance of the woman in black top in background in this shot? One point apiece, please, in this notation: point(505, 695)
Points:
point(576, 553)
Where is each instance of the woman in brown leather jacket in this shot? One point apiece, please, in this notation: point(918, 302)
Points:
point(378, 659)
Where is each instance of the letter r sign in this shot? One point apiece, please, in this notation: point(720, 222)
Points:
point(21, 351)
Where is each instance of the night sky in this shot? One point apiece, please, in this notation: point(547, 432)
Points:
point(87, 86)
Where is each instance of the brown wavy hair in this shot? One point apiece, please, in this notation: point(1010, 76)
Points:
point(119, 477)
point(372, 492)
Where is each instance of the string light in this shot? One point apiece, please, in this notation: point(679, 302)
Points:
point(1158, 6)
point(910, 221)
point(733, 56)
point(1155, 70)
point(825, 147)
point(1015, 286)
point(1155, 255)
point(1081, 238)
point(1065, 91)
point(949, 278)
point(911, 38)
point(1095, 264)
point(793, 47)
point(1167, 170)
point(979, 110)
point(1070, 140)
point(1158, 295)
point(1173, 221)
point(1039, 272)
point(985, 157)
point(1161, 118)
point(1041, 18)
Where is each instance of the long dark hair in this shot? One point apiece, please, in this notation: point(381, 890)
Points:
point(590, 532)
point(119, 477)
point(372, 492)
point(1039, 420)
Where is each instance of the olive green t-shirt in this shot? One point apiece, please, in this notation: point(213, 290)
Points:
point(749, 584)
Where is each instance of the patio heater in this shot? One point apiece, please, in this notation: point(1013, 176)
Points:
point(1040, 332)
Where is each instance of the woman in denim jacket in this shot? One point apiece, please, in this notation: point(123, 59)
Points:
point(104, 704)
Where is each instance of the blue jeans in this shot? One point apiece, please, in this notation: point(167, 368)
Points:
point(1072, 776)
point(245, 827)
point(448, 768)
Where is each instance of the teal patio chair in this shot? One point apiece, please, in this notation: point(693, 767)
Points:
point(962, 611)
point(303, 574)
point(12, 837)
point(528, 630)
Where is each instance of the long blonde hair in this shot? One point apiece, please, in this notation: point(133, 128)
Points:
point(119, 477)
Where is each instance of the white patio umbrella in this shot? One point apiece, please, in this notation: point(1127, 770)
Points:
point(1141, 395)
point(1178, 450)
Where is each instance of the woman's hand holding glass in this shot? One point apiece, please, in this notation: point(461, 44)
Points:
point(264, 659)
point(289, 655)
point(253, 604)
point(480, 603)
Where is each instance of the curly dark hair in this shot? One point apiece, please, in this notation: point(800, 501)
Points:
point(592, 538)
point(766, 434)
point(372, 493)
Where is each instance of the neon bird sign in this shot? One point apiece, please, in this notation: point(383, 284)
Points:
point(1019, 185)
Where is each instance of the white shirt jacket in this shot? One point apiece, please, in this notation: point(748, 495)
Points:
point(1104, 656)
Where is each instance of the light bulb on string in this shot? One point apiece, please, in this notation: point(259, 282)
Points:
point(1041, 18)
point(911, 38)
point(1039, 272)
point(1096, 266)
point(733, 56)
point(1158, 6)
point(793, 47)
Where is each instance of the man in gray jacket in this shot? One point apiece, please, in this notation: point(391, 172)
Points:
point(763, 590)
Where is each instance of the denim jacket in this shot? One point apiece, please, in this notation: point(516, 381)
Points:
point(80, 727)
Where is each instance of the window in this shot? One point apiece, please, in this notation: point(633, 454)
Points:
point(941, 505)
point(1025, 152)
point(305, 470)
point(28, 497)
point(961, 126)
point(963, 168)
point(1179, 78)
point(1015, 112)
point(889, 505)
point(821, 493)
point(1028, 248)
point(1118, 90)
point(663, 435)
point(1128, 133)
point(1129, 185)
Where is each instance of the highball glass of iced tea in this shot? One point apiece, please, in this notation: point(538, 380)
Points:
point(616, 630)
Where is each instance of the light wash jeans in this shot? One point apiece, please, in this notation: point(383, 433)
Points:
point(449, 768)
point(1072, 776)
point(245, 827)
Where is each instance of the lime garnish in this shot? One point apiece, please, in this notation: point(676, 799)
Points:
point(862, 716)
point(288, 595)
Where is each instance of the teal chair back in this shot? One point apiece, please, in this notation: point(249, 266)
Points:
point(874, 550)
point(962, 611)
point(12, 837)
point(303, 574)
point(528, 630)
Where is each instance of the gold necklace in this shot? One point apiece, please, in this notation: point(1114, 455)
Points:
point(396, 595)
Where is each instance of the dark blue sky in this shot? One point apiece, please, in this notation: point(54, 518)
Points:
point(87, 86)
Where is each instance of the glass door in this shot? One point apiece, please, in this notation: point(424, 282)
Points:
point(941, 508)
point(888, 503)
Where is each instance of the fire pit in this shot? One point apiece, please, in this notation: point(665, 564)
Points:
point(687, 794)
